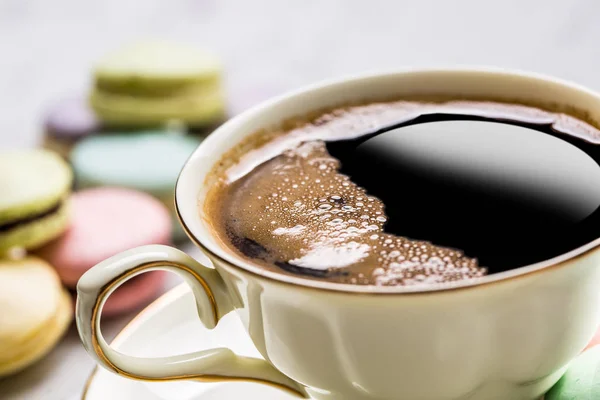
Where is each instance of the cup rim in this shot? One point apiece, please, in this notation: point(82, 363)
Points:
point(237, 264)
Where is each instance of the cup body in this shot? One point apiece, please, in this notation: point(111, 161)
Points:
point(506, 336)
point(507, 340)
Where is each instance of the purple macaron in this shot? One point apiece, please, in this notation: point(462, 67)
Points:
point(67, 121)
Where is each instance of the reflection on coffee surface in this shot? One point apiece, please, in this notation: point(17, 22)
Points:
point(412, 193)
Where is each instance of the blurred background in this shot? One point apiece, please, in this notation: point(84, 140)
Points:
point(48, 49)
point(269, 46)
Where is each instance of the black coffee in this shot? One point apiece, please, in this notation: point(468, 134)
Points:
point(409, 193)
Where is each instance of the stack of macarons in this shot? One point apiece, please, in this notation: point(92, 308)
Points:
point(126, 141)
point(50, 236)
point(35, 310)
point(74, 231)
point(147, 111)
point(149, 83)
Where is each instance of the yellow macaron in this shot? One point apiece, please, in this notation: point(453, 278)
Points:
point(35, 311)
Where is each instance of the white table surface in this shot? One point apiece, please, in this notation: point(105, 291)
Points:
point(268, 46)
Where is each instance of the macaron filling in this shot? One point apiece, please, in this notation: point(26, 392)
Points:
point(136, 87)
point(31, 218)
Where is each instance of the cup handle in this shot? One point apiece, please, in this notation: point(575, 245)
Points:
point(212, 300)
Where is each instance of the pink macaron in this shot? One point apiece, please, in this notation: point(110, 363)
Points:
point(104, 222)
point(135, 293)
point(595, 341)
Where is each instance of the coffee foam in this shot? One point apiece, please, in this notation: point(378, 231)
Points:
point(301, 210)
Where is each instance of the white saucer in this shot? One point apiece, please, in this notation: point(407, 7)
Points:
point(170, 326)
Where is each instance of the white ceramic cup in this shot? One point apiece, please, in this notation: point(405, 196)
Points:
point(506, 336)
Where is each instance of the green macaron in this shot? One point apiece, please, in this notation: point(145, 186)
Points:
point(150, 83)
point(195, 109)
point(582, 379)
point(156, 67)
point(33, 207)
